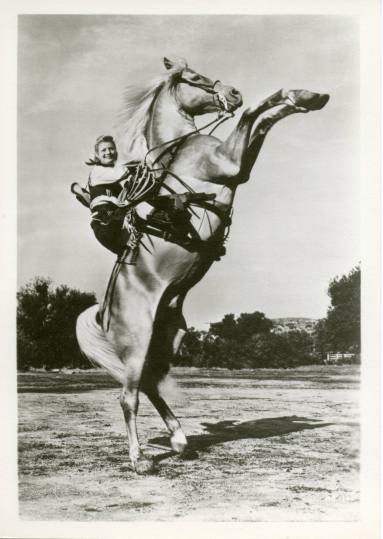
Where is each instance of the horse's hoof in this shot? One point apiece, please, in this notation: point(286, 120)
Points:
point(178, 441)
point(144, 465)
point(303, 99)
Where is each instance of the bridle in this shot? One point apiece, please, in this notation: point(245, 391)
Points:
point(172, 146)
point(223, 115)
point(210, 89)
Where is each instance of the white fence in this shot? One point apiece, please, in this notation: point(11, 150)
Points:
point(338, 356)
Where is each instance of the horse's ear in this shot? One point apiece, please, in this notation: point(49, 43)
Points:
point(176, 64)
point(168, 63)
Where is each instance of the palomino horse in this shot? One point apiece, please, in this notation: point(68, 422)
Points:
point(145, 322)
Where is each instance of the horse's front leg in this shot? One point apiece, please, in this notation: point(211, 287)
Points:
point(242, 147)
point(295, 101)
point(234, 148)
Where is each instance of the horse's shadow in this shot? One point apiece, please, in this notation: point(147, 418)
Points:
point(229, 431)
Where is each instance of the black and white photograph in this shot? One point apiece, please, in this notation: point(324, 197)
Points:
point(195, 229)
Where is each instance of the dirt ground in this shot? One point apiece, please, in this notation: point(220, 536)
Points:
point(271, 445)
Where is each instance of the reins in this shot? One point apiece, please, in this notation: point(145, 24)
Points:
point(218, 121)
point(175, 143)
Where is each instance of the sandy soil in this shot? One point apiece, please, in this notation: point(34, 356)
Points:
point(271, 445)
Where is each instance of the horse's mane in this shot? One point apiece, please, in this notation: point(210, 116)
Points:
point(134, 116)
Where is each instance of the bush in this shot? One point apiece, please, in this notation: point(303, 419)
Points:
point(245, 343)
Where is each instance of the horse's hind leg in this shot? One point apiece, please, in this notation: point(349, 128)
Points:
point(169, 329)
point(131, 336)
point(178, 439)
point(129, 401)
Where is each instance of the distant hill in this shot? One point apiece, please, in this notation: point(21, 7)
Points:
point(282, 325)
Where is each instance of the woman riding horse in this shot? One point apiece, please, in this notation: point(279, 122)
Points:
point(143, 326)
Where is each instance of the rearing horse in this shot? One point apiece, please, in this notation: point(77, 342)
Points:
point(145, 322)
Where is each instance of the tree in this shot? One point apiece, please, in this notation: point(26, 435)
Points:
point(191, 349)
point(252, 324)
point(225, 329)
point(46, 321)
point(343, 317)
point(241, 328)
point(340, 330)
point(227, 342)
point(32, 318)
point(321, 338)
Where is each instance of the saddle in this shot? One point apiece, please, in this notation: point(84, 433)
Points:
point(169, 219)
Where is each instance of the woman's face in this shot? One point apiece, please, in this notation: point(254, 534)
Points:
point(106, 152)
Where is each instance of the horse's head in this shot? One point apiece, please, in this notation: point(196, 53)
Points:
point(197, 94)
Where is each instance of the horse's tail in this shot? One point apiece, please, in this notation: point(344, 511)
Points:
point(95, 346)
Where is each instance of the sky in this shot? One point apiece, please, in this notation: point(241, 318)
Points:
point(296, 223)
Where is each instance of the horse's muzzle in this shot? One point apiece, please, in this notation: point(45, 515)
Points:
point(233, 98)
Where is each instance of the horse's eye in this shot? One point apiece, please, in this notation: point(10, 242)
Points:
point(194, 78)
